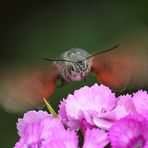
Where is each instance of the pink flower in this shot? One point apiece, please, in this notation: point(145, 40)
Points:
point(140, 101)
point(95, 138)
point(124, 106)
point(89, 109)
point(34, 118)
point(62, 139)
point(127, 103)
point(36, 128)
point(86, 104)
point(136, 103)
point(129, 132)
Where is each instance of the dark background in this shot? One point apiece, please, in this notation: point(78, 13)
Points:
point(31, 30)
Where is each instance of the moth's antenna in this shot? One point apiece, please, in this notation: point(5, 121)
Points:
point(47, 59)
point(100, 52)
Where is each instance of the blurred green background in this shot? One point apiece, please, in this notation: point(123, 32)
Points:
point(31, 30)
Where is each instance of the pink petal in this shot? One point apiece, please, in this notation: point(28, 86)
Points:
point(106, 120)
point(128, 132)
point(140, 100)
point(95, 138)
point(127, 102)
point(102, 123)
point(62, 139)
point(30, 117)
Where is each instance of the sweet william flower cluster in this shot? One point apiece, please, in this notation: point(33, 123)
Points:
point(93, 117)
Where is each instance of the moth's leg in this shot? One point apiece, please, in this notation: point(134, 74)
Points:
point(121, 91)
point(84, 81)
point(63, 82)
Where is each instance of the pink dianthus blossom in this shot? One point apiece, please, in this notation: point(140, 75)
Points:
point(140, 101)
point(86, 104)
point(136, 103)
point(38, 129)
point(129, 132)
point(95, 111)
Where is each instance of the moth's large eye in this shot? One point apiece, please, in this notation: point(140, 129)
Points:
point(83, 64)
point(71, 68)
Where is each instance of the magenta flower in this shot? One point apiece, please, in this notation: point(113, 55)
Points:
point(129, 132)
point(127, 104)
point(62, 139)
point(123, 107)
point(37, 129)
point(136, 103)
point(140, 101)
point(86, 104)
point(95, 138)
point(90, 110)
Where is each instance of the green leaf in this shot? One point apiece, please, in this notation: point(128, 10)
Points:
point(51, 110)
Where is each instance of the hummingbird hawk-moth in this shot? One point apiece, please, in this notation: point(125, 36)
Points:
point(122, 66)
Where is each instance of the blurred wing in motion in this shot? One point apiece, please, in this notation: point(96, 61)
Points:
point(21, 90)
point(124, 67)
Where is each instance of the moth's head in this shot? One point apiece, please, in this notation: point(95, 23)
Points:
point(77, 71)
point(72, 64)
